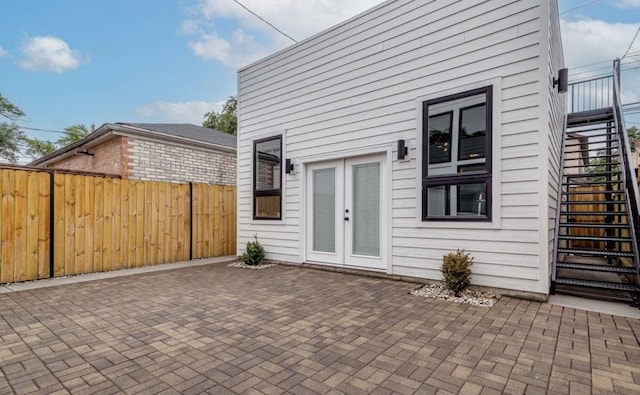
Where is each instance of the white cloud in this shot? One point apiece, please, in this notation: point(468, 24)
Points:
point(48, 53)
point(587, 42)
point(628, 3)
point(3, 52)
point(181, 112)
point(253, 39)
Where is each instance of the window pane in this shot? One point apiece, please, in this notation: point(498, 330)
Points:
point(440, 138)
point(438, 198)
point(324, 210)
point(268, 169)
point(459, 200)
point(473, 126)
point(268, 207)
point(366, 209)
point(468, 168)
point(472, 199)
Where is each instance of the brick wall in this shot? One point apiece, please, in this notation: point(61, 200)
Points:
point(155, 161)
point(107, 158)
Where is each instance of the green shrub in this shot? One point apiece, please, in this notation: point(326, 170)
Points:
point(254, 253)
point(456, 270)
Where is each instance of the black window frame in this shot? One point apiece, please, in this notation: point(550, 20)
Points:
point(270, 192)
point(472, 177)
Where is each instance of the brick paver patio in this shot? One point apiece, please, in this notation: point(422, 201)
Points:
point(293, 330)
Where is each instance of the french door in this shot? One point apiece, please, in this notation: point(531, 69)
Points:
point(344, 212)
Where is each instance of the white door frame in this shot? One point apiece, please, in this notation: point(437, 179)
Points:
point(335, 257)
point(384, 264)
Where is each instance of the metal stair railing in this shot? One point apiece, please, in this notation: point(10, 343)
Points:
point(628, 174)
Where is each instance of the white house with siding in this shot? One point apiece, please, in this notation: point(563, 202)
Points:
point(467, 86)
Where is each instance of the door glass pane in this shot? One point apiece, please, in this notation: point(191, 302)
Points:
point(366, 209)
point(324, 210)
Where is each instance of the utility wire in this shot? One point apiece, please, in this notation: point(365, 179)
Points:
point(578, 7)
point(41, 130)
point(631, 45)
point(265, 21)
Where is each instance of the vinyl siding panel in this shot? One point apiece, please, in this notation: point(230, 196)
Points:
point(556, 122)
point(359, 85)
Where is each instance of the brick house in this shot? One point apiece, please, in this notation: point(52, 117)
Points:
point(152, 152)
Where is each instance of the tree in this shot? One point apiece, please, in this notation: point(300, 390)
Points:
point(225, 121)
point(632, 132)
point(36, 148)
point(599, 163)
point(10, 134)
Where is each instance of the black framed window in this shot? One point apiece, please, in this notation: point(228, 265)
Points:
point(267, 178)
point(456, 165)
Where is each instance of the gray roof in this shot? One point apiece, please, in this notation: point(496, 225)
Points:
point(180, 132)
point(188, 130)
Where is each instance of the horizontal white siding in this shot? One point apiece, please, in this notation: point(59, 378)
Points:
point(556, 118)
point(358, 84)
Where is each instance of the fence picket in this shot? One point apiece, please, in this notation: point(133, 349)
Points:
point(101, 223)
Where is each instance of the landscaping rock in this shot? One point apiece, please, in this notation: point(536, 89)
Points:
point(472, 297)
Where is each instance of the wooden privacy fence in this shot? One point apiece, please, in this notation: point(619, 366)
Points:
point(54, 224)
point(587, 203)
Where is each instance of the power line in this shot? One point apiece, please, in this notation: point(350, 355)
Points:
point(578, 7)
point(631, 45)
point(42, 130)
point(265, 21)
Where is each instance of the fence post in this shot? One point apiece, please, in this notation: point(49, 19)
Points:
point(51, 223)
point(190, 221)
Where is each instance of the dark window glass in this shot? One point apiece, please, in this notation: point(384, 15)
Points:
point(472, 199)
point(268, 165)
point(473, 128)
point(440, 138)
point(267, 178)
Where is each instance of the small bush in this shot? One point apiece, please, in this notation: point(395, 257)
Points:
point(254, 253)
point(456, 270)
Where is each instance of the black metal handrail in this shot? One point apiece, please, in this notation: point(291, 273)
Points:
point(628, 173)
point(590, 94)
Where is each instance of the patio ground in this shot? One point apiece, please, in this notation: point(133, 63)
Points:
point(216, 329)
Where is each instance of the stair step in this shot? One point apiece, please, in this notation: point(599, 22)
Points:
point(594, 142)
point(594, 149)
point(595, 252)
point(568, 193)
point(598, 284)
point(591, 183)
point(592, 225)
point(580, 130)
point(595, 238)
point(590, 165)
point(589, 175)
point(589, 202)
point(577, 119)
point(595, 157)
point(593, 213)
point(596, 268)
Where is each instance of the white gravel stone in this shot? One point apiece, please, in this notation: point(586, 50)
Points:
point(475, 298)
point(242, 265)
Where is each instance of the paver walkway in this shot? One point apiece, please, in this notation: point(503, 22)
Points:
point(286, 329)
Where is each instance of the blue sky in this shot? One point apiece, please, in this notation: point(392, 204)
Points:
point(66, 62)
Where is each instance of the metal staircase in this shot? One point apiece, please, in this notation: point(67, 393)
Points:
point(596, 245)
